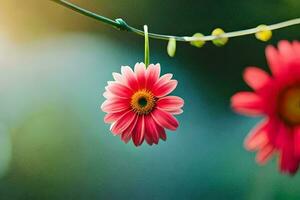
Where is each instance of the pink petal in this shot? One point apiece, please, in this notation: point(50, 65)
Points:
point(164, 89)
point(176, 112)
point(112, 117)
point(163, 80)
point(274, 60)
point(165, 119)
point(152, 75)
point(152, 132)
point(140, 71)
point(265, 154)
point(283, 136)
point(109, 95)
point(162, 132)
point(257, 137)
point(296, 46)
point(118, 77)
point(123, 123)
point(288, 162)
point(139, 131)
point(247, 103)
point(119, 90)
point(286, 51)
point(272, 130)
point(149, 139)
point(127, 134)
point(256, 78)
point(297, 141)
point(115, 105)
point(129, 77)
point(170, 103)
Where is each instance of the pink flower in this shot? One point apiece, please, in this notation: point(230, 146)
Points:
point(137, 104)
point(277, 98)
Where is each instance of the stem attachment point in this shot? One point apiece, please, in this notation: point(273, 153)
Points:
point(122, 25)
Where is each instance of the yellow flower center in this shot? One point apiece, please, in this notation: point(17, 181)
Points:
point(142, 101)
point(289, 105)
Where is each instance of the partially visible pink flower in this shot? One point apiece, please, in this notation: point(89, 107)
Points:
point(137, 104)
point(277, 98)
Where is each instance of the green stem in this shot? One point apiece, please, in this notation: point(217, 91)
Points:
point(147, 51)
point(87, 13)
point(122, 25)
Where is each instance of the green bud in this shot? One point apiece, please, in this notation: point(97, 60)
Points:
point(171, 47)
point(199, 43)
point(264, 34)
point(220, 41)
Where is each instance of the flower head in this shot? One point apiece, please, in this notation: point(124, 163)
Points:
point(137, 104)
point(276, 97)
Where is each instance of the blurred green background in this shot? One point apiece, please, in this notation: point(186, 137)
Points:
point(55, 64)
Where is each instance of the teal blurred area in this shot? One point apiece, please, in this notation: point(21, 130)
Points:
point(55, 64)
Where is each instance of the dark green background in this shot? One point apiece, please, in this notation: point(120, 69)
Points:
point(55, 64)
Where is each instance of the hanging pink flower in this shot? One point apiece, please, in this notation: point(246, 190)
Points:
point(137, 104)
point(277, 98)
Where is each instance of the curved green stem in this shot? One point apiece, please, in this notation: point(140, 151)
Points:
point(122, 25)
point(87, 13)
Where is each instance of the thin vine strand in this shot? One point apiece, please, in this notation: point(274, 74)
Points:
point(122, 25)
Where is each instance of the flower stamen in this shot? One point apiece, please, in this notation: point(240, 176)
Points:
point(289, 105)
point(142, 102)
